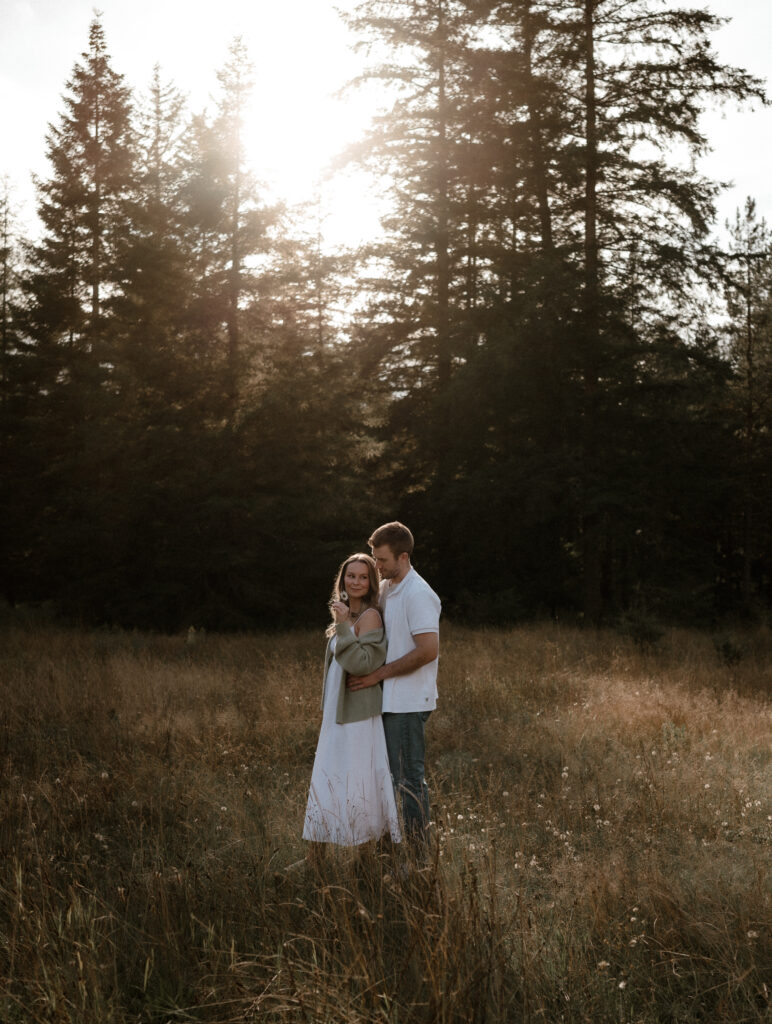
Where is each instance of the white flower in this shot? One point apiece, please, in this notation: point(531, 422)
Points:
point(343, 595)
point(623, 984)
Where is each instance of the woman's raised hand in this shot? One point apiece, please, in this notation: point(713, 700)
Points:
point(340, 611)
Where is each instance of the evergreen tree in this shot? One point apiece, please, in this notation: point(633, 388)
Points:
point(646, 72)
point(82, 206)
point(73, 273)
point(15, 474)
point(232, 226)
point(749, 303)
point(584, 258)
point(9, 283)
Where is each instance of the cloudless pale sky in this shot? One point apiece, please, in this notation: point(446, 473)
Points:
point(301, 53)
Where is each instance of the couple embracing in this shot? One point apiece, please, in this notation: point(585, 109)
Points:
point(380, 686)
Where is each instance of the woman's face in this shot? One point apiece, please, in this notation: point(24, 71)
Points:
point(356, 580)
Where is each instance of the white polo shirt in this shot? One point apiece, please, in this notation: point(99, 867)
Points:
point(409, 607)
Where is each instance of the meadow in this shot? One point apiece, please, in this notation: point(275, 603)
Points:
point(602, 835)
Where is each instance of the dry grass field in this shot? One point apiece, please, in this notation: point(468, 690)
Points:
point(602, 835)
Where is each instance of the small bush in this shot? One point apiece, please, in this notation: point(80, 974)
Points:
point(728, 651)
point(643, 629)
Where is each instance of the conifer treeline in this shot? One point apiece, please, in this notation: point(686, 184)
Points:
point(537, 377)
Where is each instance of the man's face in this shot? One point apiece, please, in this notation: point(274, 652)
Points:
point(389, 566)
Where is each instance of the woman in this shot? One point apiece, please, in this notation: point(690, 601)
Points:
point(352, 796)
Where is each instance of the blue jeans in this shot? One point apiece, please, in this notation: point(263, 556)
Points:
point(406, 747)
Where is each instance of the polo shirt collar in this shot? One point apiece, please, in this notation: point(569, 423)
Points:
point(392, 590)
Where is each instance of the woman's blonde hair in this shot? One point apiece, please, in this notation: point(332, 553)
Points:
point(371, 599)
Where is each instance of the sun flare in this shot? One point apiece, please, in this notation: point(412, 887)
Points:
point(300, 122)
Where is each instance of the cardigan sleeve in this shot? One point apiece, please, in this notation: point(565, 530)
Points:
point(359, 655)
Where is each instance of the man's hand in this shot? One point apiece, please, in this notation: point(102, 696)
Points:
point(362, 682)
point(427, 646)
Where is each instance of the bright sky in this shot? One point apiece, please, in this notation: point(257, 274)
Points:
point(301, 53)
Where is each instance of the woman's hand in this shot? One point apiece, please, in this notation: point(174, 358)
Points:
point(340, 611)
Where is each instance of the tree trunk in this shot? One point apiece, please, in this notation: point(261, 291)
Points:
point(443, 219)
point(5, 289)
point(96, 236)
point(538, 163)
point(591, 519)
point(234, 290)
point(748, 446)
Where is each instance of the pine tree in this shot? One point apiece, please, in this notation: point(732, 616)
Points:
point(73, 274)
point(16, 472)
point(586, 237)
point(163, 363)
point(82, 205)
point(232, 227)
point(749, 303)
point(9, 278)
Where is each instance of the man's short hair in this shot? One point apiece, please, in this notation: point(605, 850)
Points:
point(396, 536)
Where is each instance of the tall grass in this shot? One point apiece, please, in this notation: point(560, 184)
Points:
point(601, 839)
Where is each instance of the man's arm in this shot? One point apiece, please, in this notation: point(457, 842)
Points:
point(427, 646)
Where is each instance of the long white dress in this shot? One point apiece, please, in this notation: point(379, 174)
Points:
point(352, 795)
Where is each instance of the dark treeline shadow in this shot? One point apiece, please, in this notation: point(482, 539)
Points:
point(199, 422)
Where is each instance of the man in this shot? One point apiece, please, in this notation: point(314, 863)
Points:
point(411, 612)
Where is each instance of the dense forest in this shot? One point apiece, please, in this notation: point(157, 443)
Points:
point(552, 364)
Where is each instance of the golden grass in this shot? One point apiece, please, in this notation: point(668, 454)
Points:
point(602, 836)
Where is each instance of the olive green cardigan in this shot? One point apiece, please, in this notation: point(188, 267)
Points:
point(358, 655)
